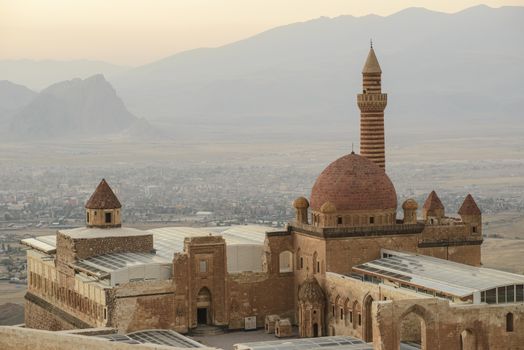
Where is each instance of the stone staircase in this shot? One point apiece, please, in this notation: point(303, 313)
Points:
point(203, 330)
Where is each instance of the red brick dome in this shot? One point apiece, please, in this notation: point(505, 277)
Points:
point(353, 182)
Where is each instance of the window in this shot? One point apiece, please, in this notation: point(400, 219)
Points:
point(341, 313)
point(339, 220)
point(474, 229)
point(318, 266)
point(520, 293)
point(87, 217)
point(301, 262)
point(351, 316)
point(371, 220)
point(285, 260)
point(509, 322)
point(359, 319)
point(108, 218)
point(203, 266)
point(333, 310)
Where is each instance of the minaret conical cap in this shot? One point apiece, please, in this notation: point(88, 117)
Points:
point(371, 65)
point(469, 207)
point(103, 198)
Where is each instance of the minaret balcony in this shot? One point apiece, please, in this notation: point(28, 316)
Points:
point(372, 102)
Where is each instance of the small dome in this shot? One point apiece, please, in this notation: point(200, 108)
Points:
point(301, 203)
point(410, 204)
point(310, 291)
point(328, 208)
point(353, 182)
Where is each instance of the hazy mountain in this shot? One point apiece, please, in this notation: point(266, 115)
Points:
point(72, 109)
point(441, 71)
point(39, 74)
point(13, 97)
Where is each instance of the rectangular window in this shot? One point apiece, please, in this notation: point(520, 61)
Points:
point(519, 292)
point(359, 319)
point(351, 316)
point(203, 266)
point(491, 296)
point(339, 220)
point(501, 295)
point(341, 313)
point(108, 218)
point(333, 310)
point(301, 262)
point(474, 229)
point(371, 220)
point(87, 217)
point(510, 294)
point(318, 266)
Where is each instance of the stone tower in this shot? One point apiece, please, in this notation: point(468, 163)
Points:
point(103, 208)
point(372, 103)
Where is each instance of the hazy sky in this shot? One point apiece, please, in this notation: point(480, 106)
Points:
point(133, 32)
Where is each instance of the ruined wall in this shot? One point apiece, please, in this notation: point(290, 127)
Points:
point(445, 326)
point(142, 305)
point(259, 294)
point(348, 304)
point(39, 317)
point(70, 249)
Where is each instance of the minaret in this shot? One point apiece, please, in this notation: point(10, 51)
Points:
point(372, 103)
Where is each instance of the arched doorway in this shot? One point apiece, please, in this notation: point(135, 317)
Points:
point(315, 330)
point(368, 330)
point(467, 340)
point(203, 315)
point(413, 330)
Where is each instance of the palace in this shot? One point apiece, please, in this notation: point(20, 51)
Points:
point(346, 265)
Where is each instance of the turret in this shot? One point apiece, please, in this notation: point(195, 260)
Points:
point(471, 215)
point(301, 205)
point(410, 207)
point(433, 209)
point(372, 103)
point(103, 208)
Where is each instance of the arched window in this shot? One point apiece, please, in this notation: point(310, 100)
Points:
point(509, 322)
point(285, 261)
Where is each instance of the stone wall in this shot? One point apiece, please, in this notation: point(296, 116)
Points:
point(17, 338)
point(445, 326)
point(259, 294)
point(41, 317)
point(142, 305)
point(70, 249)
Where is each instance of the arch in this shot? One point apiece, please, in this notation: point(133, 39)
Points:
point(347, 311)
point(509, 322)
point(203, 306)
point(468, 340)
point(412, 326)
point(356, 312)
point(285, 261)
point(315, 330)
point(368, 320)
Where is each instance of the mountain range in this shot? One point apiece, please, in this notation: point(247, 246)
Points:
point(70, 110)
point(444, 73)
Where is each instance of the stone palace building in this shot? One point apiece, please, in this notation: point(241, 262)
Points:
point(346, 265)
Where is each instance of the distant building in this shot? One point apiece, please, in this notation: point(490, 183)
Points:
point(346, 265)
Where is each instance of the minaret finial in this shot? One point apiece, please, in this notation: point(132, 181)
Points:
point(352, 148)
point(371, 43)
